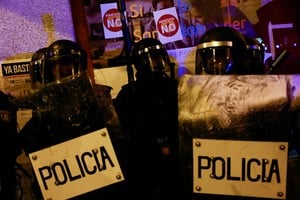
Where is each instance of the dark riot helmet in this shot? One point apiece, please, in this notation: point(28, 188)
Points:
point(150, 57)
point(221, 50)
point(64, 58)
point(255, 56)
point(36, 68)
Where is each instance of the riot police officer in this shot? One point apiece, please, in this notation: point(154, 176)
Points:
point(8, 147)
point(147, 110)
point(255, 56)
point(225, 51)
point(64, 104)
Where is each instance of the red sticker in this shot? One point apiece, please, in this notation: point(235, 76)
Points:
point(112, 20)
point(167, 25)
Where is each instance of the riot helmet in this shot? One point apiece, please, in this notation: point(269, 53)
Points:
point(255, 56)
point(65, 58)
point(66, 106)
point(149, 57)
point(221, 50)
point(36, 68)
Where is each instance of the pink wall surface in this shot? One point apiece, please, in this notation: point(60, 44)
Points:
point(27, 25)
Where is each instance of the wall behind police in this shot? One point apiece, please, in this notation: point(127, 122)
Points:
point(27, 26)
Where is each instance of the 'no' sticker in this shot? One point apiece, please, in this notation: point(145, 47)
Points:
point(167, 25)
point(112, 20)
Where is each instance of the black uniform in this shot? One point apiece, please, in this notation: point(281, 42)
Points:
point(147, 110)
point(67, 106)
point(8, 147)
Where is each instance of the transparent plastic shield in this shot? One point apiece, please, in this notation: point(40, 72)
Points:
point(68, 108)
point(230, 108)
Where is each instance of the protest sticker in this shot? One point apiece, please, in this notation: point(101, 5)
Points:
point(111, 19)
point(167, 25)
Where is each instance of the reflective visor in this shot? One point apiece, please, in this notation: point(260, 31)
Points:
point(155, 58)
point(36, 72)
point(64, 66)
point(214, 60)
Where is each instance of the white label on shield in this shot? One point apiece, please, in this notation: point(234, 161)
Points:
point(240, 168)
point(77, 166)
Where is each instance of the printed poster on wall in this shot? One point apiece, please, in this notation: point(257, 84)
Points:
point(15, 78)
point(250, 17)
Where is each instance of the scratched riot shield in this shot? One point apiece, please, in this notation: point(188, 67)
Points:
point(65, 110)
point(237, 135)
point(68, 132)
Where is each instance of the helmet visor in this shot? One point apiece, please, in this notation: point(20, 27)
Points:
point(36, 73)
point(64, 66)
point(214, 60)
point(155, 58)
point(256, 53)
